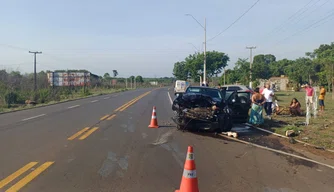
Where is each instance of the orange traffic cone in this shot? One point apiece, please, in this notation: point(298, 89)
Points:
point(189, 181)
point(154, 121)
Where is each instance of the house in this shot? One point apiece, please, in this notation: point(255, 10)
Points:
point(278, 83)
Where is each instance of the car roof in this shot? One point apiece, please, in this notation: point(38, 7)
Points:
point(235, 86)
point(202, 87)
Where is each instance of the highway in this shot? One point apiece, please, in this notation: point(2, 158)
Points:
point(103, 144)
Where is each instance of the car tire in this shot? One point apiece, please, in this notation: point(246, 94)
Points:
point(225, 123)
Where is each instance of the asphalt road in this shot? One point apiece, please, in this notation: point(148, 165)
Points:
point(42, 150)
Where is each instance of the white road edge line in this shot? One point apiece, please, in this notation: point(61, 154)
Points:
point(278, 151)
point(170, 98)
point(33, 117)
point(73, 106)
point(106, 98)
point(94, 101)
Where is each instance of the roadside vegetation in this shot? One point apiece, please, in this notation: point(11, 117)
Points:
point(17, 90)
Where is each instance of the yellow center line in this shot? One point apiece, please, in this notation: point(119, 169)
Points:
point(124, 104)
point(88, 133)
point(111, 117)
point(78, 133)
point(104, 117)
point(131, 102)
point(19, 172)
point(29, 177)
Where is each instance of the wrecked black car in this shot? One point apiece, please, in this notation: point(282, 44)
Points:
point(202, 108)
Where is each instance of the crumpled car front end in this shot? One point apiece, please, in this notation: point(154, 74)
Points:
point(195, 111)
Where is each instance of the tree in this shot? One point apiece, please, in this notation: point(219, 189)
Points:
point(240, 72)
point(139, 79)
point(180, 71)
point(301, 70)
point(193, 65)
point(132, 78)
point(277, 68)
point(323, 61)
point(106, 76)
point(115, 72)
point(260, 68)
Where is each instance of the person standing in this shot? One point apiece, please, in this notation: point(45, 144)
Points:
point(309, 94)
point(258, 101)
point(268, 94)
point(322, 98)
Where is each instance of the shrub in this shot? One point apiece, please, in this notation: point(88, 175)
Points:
point(10, 98)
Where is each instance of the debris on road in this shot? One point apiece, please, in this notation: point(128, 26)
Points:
point(230, 134)
point(290, 133)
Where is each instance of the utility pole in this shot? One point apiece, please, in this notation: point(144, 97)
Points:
point(332, 60)
point(204, 71)
point(250, 65)
point(135, 82)
point(224, 76)
point(126, 83)
point(35, 75)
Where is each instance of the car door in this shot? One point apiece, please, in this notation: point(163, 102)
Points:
point(240, 104)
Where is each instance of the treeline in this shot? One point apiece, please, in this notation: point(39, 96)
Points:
point(16, 88)
point(315, 67)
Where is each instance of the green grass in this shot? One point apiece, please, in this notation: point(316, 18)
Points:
point(319, 131)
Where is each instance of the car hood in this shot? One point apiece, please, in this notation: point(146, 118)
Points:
point(196, 100)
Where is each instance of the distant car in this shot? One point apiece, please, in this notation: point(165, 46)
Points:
point(237, 88)
point(180, 86)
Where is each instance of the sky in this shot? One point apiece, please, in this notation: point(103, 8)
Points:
point(147, 37)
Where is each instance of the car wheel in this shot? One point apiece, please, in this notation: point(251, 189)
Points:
point(225, 123)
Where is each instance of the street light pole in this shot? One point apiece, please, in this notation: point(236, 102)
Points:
point(204, 27)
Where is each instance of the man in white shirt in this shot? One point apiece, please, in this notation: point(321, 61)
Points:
point(268, 94)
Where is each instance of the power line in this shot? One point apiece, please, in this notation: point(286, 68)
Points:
point(234, 21)
point(14, 47)
point(15, 64)
point(291, 17)
point(294, 23)
point(307, 28)
point(312, 11)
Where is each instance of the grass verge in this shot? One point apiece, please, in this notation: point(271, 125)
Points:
point(319, 132)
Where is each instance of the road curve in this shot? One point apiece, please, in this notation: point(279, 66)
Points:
point(106, 145)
